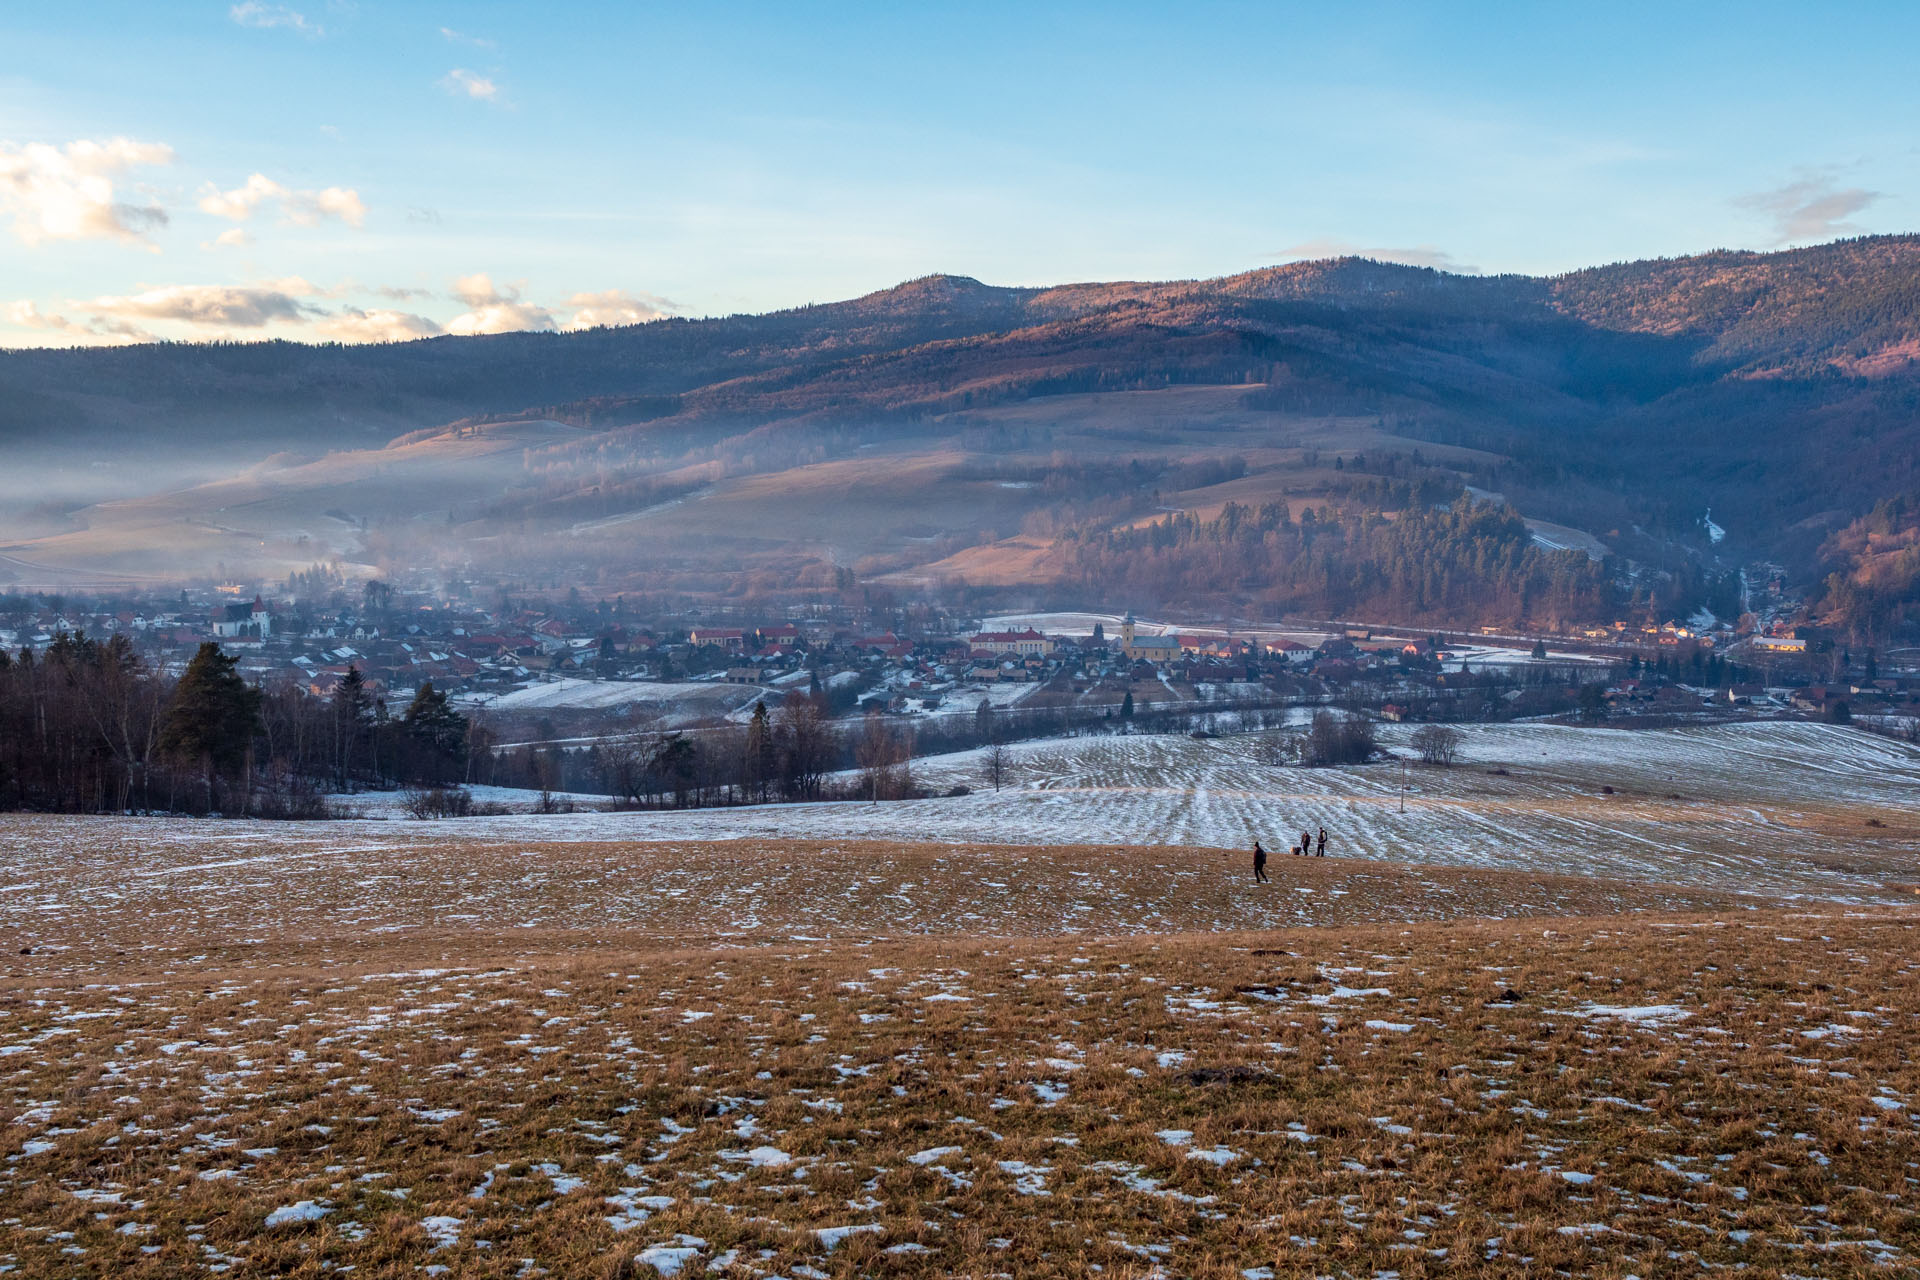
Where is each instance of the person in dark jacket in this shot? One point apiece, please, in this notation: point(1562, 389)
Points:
point(1321, 852)
point(1259, 864)
point(1306, 843)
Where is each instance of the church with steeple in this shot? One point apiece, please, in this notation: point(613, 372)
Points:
point(1138, 648)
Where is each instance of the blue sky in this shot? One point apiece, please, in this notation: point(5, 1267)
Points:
point(356, 170)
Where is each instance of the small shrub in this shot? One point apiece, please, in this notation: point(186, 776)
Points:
point(438, 802)
point(1346, 739)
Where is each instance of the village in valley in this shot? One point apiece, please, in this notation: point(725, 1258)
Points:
point(564, 676)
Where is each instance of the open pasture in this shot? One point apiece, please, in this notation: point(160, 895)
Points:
point(1651, 1095)
point(1530, 1028)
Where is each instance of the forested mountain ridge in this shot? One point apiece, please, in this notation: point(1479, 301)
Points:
point(1797, 311)
point(1782, 390)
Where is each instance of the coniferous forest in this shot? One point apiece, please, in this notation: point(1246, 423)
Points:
point(1468, 563)
point(88, 726)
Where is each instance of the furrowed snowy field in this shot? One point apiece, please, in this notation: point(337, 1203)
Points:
point(1769, 807)
point(1772, 809)
point(1525, 1027)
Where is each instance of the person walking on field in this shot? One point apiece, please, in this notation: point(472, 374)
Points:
point(1306, 844)
point(1259, 864)
point(1322, 852)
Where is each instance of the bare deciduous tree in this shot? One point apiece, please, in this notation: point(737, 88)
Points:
point(1437, 743)
point(997, 763)
point(884, 754)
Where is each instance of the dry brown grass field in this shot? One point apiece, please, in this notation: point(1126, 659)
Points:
point(514, 1058)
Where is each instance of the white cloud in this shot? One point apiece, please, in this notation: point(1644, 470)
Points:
point(67, 193)
point(309, 207)
point(461, 37)
point(304, 208)
point(231, 238)
point(252, 13)
point(477, 289)
point(378, 325)
point(238, 204)
point(492, 310)
point(502, 317)
point(1424, 255)
point(26, 315)
point(211, 305)
point(472, 84)
point(1813, 207)
point(615, 307)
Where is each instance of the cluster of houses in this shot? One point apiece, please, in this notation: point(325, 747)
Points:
point(905, 662)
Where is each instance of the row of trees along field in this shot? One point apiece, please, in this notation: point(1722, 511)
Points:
point(788, 754)
point(89, 727)
point(1469, 563)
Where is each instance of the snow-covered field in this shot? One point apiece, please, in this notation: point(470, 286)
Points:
point(1771, 808)
point(1483, 657)
point(699, 699)
point(706, 1044)
point(387, 805)
point(1082, 624)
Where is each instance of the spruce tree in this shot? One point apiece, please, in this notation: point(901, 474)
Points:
point(351, 706)
point(434, 724)
point(759, 762)
point(212, 716)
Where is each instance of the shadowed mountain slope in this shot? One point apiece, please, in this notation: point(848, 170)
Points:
point(1782, 390)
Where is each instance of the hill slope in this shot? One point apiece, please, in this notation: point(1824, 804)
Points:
point(1778, 389)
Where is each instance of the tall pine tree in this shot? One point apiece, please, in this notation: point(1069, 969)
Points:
point(212, 717)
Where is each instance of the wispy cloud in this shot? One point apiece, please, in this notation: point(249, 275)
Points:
point(303, 208)
point(67, 193)
point(1425, 255)
point(26, 315)
point(1813, 206)
point(461, 82)
point(296, 307)
point(252, 13)
point(461, 37)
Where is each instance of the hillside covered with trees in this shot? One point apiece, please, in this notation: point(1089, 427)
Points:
point(1781, 391)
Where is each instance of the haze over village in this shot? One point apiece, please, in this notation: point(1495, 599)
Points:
point(783, 642)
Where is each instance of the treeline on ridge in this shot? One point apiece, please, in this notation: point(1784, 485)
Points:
point(1467, 563)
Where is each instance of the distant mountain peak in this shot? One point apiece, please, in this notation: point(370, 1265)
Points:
point(934, 291)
